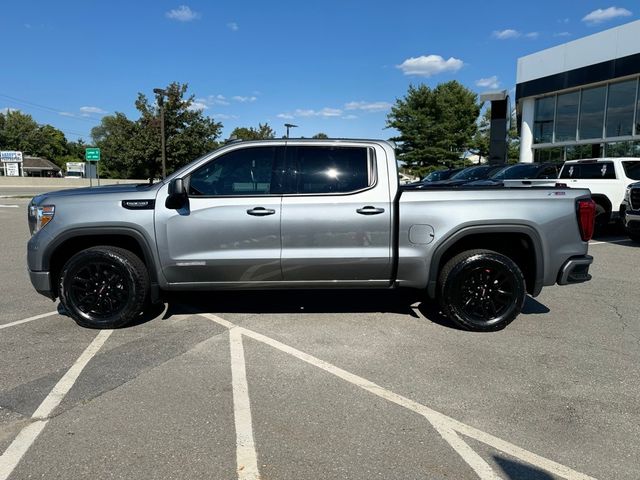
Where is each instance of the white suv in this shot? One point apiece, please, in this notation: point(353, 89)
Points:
point(607, 178)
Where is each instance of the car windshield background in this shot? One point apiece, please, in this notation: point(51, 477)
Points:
point(514, 172)
point(632, 169)
point(590, 171)
point(475, 173)
point(247, 171)
point(331, 169)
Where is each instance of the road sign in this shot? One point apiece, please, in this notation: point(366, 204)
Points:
point(9, 156)
point(92, 154)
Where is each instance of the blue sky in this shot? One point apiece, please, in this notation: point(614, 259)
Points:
point(333, 66)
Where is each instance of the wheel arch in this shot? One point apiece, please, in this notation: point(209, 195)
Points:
point(72, 241)
point(513, 240)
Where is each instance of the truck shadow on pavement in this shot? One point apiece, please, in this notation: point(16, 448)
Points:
point(318, 301)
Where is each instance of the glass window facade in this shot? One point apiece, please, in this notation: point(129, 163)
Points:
point(592, 112)
point(603, 112)
point(543, 120)
point(566, 116)
point(621, 103)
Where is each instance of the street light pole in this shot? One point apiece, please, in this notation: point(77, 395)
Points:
point(161, 94)
point(289, 125)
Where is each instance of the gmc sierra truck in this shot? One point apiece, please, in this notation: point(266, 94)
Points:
point(295, 213)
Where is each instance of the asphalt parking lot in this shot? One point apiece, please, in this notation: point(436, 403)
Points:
point(331, 385)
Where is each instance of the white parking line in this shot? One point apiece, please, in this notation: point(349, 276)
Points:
point(30, 319)
point(246, 458)
point(622, 240)
point(14, 453)
point(446, 426)
point(8, 206)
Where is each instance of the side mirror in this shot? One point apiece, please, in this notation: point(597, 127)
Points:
point(177, 194)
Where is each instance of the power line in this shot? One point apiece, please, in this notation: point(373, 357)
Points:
point(49, 109)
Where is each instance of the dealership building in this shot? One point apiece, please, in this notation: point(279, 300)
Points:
point(580, 99)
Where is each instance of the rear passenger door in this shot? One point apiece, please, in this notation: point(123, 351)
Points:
point(336, 218)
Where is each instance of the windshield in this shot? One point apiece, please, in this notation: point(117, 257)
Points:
point(632, 169)
point(474, 173)
point(438, 175)
point(513, 172)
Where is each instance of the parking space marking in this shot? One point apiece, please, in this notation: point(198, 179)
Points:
point(8, 206)
point(621, 240)
point(30, 319)
point(14, 453)
point(246, 458)
point(443, 424)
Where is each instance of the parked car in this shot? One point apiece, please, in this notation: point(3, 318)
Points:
point(438, 175)
point(521, 171)
point(298, 213)
point(630, 211)
point(465, 176)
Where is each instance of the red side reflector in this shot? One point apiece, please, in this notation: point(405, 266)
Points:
point(586, 218)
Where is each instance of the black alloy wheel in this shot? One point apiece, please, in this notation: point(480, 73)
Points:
point(481, 290)
point(104, 287)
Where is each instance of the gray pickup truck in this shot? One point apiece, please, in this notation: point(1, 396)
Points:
point(292, 214)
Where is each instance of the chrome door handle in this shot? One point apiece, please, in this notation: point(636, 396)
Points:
point(369, 210)
point(261, 211)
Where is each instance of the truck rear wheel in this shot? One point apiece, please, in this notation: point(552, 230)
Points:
point(104, 287)
point(481, 290)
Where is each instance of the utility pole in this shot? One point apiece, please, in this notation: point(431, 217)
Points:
point(161, 93)
point(288, 126)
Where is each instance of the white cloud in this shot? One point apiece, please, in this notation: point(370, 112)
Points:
point(212, 100)
point(196, 105)
point(67, 114)
point(562, 34)
point(350, 117)
point(224, 116)
point(300, 112)
point(506, 34)
point(233, 26)
point(490, 82)
point(87, 110)
point(603, 15)
point(242, 99)
point(532, 35)
point(429, 65)
point(368, 106)
point(182, 14)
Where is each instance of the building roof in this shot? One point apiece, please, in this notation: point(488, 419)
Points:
point(38, 163)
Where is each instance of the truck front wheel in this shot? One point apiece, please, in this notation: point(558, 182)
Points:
point(481, 290)
point(104, 287)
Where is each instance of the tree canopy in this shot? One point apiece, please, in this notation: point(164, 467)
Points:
point(132, 149)
point(263, 132)
point(434, 124)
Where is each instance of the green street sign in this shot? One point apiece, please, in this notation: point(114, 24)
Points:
point(92, 154)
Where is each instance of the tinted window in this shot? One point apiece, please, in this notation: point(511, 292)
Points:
point(476, 173)
point(592, 112)
point(331, 169)
point(543, 120)
point(591, 171)
point(567, 116)
point(632, 170)
point(620, 106)
point(517, 171)
point(241, 172)
point(549, 172)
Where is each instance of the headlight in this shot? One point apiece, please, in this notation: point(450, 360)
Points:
point(39, 216)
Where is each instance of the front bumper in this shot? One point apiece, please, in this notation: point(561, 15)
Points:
point(575, 270)
point(41, 281)
point(631, 220)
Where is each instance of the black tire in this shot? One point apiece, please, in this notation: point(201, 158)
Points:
point(481, 290)
point(603, 216)
point(104, 287)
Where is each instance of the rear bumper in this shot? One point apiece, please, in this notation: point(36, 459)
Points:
point(41, 281)
point(575, 270)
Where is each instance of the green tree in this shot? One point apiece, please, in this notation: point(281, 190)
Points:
point(132, 149)
point(320, 135)
point(435, 125)
point(263, 132)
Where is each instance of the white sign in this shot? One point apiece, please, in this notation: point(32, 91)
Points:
point(11, 156)
point(12, 169)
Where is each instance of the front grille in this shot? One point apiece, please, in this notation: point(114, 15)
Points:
point(635, 198)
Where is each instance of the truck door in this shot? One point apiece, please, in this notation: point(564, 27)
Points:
point(230, 230)
point(336, 220)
